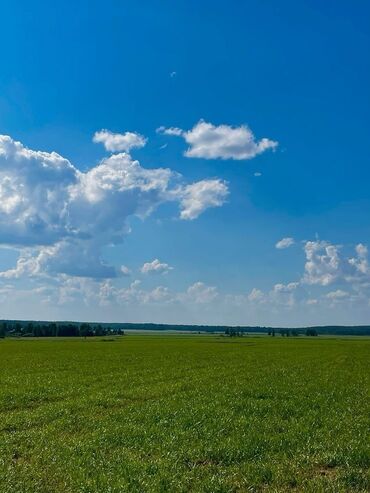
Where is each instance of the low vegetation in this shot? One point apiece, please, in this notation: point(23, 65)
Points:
point(184, 413)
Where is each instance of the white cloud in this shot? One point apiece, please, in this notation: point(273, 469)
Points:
point(327, 264)
point(323, 263)
point(284, 243)
point(257, 173)
point(27, 265)
point(284, 294)
point(66, 289)
point(155, 267)
point(104, 293)
point(287, 299)
point(361, 263)
point(338, 294)
point(125, 270)
point(256, 295)
point(285, 288)
point(210, 141)
point(160, 294)
point(131, 294)
point(71, 257)
point(279, 295)
point(201, 293)
point(312, 301)
point(283, 303)
point(173, 131)
point(119, 142)
point(197, 197)
point(61, 218)
point(33, 194)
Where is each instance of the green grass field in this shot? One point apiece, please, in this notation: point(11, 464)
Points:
point(184, 414)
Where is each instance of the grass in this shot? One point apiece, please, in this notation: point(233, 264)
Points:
point(184, 414)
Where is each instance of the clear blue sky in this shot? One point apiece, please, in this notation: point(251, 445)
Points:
point(200, 242)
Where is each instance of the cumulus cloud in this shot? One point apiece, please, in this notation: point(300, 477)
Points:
point(197, 197)
point(210, 141)
point(329, 265)
point(338, 294)
point(326, 265)
point(71, 257)
point(33, 194)
point(256, 295)
point(119, 142)
point(323, 263)
point(125, 270)
point(280, 295)
point(155, 267)
point(26, 265)
point(284, 294)
point(284, 243)
point(66, 289)
point(160, 294)
point(348, 286)
point(201, 293)
point(61, 218)
point(360, 263)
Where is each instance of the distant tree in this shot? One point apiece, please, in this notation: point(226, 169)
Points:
point(52, 330)
point(72, 330)
point(85, 330)
point(233, 332)
point(18, 329)
point(37, 330)
point(99, 331)
point(311, 332)
point(295, 333)
point(273, 332)
point(2, 330)
point(269, 332)
point(30, 329)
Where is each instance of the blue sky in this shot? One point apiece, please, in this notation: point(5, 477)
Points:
point(263, 116)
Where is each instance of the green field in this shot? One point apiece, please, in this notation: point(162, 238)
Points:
point(184, 414)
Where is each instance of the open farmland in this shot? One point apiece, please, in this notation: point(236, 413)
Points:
point(174, 413)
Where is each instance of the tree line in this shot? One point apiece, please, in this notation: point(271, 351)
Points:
point(54, 329)
point(234, 332)
point(70, 328)
point(311, 332)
